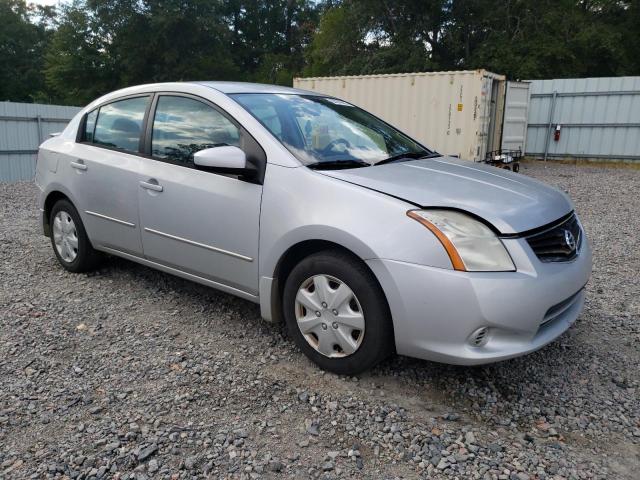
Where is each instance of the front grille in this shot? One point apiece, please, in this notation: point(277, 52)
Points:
point(558, 244)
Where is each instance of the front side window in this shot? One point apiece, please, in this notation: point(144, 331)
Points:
point(183, 126)
point(322, 131)
point(119, 124)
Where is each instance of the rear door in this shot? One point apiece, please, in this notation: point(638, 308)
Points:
point(200, 222)
point(105, 165)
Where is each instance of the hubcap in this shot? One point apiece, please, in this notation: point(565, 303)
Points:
point(65, 236)
point(329, 316)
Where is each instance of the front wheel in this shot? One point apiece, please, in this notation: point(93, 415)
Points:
point(337, 313)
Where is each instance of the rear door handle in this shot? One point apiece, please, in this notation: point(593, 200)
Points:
point(78, 165)
point(151, 186)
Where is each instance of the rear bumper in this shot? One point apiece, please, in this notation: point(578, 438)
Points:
point(42, 221)
point(435, 311)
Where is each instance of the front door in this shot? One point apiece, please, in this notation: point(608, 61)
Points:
point(200, 222)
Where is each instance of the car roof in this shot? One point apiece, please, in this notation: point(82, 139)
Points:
point(225, 88)
point(245, 87)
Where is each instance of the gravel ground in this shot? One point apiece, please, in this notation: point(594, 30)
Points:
point(132, 373)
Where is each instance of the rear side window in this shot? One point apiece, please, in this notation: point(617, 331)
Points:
point(89, 126)
point(119, 124)
point(183, 126)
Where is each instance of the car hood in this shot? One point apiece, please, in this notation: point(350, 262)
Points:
point(511, 202)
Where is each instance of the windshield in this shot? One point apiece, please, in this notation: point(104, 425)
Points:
point(327, 132)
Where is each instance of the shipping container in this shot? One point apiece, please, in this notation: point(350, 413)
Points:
point(455, 113)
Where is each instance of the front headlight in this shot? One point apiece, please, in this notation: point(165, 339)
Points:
point(470, 244)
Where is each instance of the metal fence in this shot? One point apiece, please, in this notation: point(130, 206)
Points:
point(23, 127)
point(599, 118)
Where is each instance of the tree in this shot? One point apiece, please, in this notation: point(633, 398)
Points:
point(23, 35)
point(543, 39)
point(338, 47)
point(90, 47)
point(520, 38)
point(379, 36)
point(268, 38)
point(78, 67)
point(128, 42)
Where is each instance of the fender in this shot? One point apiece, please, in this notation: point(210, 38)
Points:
point(53, 187)
point(268, 288)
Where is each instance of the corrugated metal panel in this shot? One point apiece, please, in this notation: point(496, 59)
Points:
point(14, 109)
point(599, 118)
point(15, 167)
point(23, 126)
point(448, 111)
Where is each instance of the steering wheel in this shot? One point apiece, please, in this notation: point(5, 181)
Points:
point(335, 142)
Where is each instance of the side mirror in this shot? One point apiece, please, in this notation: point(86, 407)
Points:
point(221, 158)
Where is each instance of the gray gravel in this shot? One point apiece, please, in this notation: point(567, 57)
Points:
point(131, 373)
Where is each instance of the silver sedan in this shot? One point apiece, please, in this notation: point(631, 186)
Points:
point(362, 240)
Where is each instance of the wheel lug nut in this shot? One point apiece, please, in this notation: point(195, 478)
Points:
point(335, 312)
point(324, 326)
point(335, 325)
point(324, 304)
point(318, 314)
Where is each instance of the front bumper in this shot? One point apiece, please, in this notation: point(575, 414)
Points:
point(436, 311)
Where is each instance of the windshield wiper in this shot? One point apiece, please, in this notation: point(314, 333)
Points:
point(408, 156)
point(338, 164)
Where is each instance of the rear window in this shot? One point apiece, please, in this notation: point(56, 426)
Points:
point(119, 124)
point(89, 126)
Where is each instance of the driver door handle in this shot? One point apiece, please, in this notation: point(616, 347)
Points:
point(152, 185)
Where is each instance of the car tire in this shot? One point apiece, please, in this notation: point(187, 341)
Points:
point(69, 239)
point(337, 318)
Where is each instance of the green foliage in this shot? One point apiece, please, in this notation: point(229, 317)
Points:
point(23, 36)
point(128, 42)
point(89, 47)
point(546, 39)
point(338, 47)
point(520, 38)
point(77, 66)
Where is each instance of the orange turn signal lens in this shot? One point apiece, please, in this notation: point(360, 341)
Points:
point(454, 256)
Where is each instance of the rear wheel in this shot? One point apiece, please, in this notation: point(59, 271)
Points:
point(69, 239)
point(337, 313)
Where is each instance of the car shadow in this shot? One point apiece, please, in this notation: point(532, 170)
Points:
point(496, 390)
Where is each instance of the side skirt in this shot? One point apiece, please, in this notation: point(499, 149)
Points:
point(179, 273)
